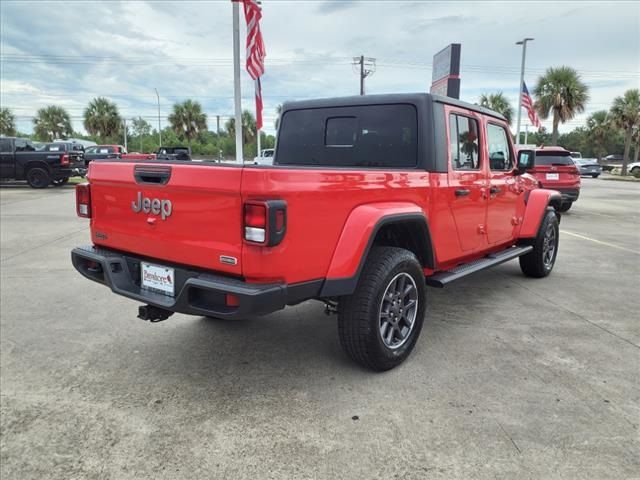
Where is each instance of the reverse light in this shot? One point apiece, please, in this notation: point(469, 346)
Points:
point(265, 222)
point(83, 200)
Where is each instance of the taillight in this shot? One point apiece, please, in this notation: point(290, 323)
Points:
point(265, 222)
point(64, 160)
point(83, 200)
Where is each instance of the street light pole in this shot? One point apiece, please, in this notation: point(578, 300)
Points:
point(522, 42)
point(159, 130)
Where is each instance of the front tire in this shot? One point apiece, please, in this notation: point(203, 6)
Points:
point(540, 261)
point(380, 323)
point(565, 207)
point(38, 178)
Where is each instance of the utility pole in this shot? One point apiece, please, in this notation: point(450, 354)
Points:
point(522, 42)
point(218, 124)
point(159, 129)
point(125, 134)
point(365, 67)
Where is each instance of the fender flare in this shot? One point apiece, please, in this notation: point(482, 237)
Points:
point(537, 203)
point(35, 163)
point(357, 237)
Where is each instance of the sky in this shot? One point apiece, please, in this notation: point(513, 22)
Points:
point(66, 53)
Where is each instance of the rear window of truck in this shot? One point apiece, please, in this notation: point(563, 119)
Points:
point(553, 158)
point(361, 136)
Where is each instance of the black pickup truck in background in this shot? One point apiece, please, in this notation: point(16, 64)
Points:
point(173, 153)
point(52, 164)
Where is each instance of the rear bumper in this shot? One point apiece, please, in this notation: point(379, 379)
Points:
point(569, 194)
point(197, 292)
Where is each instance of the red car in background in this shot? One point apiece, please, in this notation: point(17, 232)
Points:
point(555, 170)
point(99, 152)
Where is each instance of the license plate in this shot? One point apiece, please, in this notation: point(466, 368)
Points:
point(158, 278)
point(553, 176)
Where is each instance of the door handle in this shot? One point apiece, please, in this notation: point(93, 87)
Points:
point(462, 192)
point(494, 190)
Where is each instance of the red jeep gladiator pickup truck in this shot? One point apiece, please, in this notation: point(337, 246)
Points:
point(369, 200)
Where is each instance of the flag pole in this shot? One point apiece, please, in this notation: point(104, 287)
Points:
point(236, 79)
point(257, 129)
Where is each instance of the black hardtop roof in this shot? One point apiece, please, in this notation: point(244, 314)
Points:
point(413, 98)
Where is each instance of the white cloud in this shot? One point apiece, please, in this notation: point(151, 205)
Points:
point(125, 50)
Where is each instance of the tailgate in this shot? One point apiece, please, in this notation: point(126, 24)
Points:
point(187, 213)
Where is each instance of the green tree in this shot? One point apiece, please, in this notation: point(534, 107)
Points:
point(598, 132)
point(141, 128)
point(248, 127)
point(625, 114)
point(636, 145)
point(276, 123)
point(187, 119)
point(7, 122)
point(541, 137)
point(498, 103)
point(102, 119)
point(560, 93)
point(52, 122)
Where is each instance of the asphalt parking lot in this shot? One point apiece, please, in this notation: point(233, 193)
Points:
point(512, 377)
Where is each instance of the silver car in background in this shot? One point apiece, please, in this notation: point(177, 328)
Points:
point(588, 167)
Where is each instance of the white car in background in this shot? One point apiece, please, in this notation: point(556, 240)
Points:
point(265, 157)
point(634, 168)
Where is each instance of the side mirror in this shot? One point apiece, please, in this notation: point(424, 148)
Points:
point(526, 161)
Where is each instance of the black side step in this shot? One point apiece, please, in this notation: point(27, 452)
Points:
point(441, 279)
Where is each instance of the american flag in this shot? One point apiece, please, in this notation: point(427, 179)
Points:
point(255, 51)
point(528, 104)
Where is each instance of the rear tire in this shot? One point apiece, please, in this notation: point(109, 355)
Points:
point(38, 177)
point(380, 323)
point(565, 207)
point(595, 175)
point(540, 261)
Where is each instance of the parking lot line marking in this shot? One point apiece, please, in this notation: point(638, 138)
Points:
point(577, 235)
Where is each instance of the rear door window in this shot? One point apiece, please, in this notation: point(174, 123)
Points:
point(463, 134)
point(360, 136)
point(23, 145)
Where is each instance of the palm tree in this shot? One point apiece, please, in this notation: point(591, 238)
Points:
point(498, 103)
point(560, 93)
point(276, 123)
point(599, 132)
point(187, 120)
point(101, 119)
point(625, 114)
point(7, 122)
point(248, 127)
point(52, 122)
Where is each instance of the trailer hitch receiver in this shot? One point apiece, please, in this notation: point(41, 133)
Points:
point(153, 314)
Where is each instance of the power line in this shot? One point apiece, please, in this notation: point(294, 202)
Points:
point(282, 61)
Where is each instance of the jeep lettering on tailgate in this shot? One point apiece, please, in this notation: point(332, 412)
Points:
point(155, 206)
